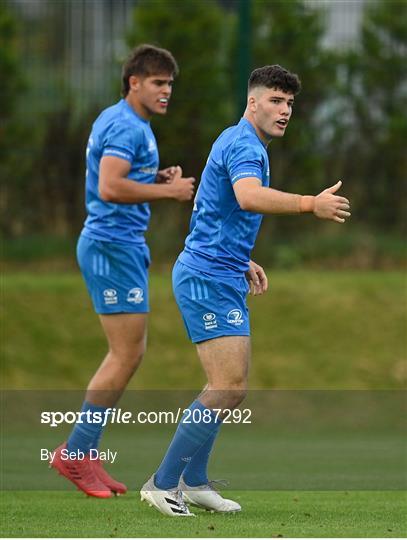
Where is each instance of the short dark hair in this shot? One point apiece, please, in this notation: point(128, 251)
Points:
point(275, 76)
point(146, 60)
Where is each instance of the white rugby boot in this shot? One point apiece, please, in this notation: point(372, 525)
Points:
point(207, 497)
point(168, 502)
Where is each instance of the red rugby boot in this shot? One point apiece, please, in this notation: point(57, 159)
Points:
point(104, 476)
point(81, 473)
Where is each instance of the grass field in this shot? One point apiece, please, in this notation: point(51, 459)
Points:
point(313, 330)
point(266, 514)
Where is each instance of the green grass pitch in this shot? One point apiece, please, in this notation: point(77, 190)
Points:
point(265, 514)
point(313, 330)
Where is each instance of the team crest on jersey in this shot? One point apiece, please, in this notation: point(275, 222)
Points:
point(151, 146)
point(235, 317)
point(136, 295)
point(110, 296)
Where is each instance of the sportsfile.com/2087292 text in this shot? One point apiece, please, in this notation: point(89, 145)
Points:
point(118, 416)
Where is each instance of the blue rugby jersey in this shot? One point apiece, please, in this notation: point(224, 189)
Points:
point(222, 235)
point(119, 131)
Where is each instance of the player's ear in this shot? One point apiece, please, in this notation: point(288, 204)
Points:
point(252, 103)
point(134, 82)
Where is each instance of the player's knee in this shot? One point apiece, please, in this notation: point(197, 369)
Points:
point(140, 350)
point(235, 396)
point(134, 357)
point(134, 361)
point(129, 358)
point(227, 394)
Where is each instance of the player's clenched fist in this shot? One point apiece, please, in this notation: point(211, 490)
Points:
point(257, 279)
point(327, 205)
point(182, 189)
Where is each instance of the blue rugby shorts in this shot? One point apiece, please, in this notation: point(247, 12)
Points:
point(116, 275)
point(211, 306)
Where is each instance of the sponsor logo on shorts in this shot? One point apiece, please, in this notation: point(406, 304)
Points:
point(210, 321)
point(110, 296)
point(135, 295)
point(235, 317)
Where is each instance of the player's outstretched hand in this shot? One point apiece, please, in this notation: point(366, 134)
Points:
point(327, 205)
point(182, 189)
point(257, 279)
point(165, 176)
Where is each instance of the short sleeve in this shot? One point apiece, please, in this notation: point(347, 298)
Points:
point(122, 140)
point(244, 160)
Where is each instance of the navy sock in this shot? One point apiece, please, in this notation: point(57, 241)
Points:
point(196, 472)
point(187, 441)
point(86, 435)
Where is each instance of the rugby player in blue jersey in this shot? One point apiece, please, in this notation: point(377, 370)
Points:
point(122, 177)
point(214, 273)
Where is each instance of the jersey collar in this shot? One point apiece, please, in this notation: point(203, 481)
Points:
point(245, 122)
point(129, 108)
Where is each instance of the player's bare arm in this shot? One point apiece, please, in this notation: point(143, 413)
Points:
point(253, 197)
point(116, 187)
point(257, 279)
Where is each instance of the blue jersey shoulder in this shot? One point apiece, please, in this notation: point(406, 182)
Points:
point(119, 132)
point(241, 152)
